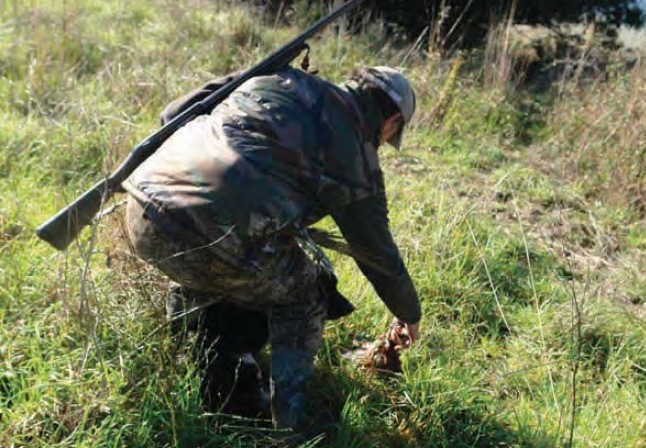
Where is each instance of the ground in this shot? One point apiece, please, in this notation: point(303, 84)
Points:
point(519, 212)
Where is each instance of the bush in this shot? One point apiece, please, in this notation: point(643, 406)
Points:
point(464, 23)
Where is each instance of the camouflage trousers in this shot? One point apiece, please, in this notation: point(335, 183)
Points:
point(276, 279)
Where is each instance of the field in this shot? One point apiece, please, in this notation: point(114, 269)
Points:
point(520, 213)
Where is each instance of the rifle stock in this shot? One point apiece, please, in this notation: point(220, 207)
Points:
point(65, 226)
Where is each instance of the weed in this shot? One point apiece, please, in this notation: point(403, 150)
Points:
point(519, 214)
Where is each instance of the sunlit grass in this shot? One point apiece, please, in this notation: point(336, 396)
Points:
point(521, 226)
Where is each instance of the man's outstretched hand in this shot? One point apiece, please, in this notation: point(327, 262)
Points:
point(402, 334)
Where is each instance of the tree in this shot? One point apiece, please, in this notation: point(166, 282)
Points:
point(465, 22)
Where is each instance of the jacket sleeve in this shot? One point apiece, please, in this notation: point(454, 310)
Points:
point(364, 225)
point(182, 103)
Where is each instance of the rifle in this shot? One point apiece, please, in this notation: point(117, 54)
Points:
point(63, 228)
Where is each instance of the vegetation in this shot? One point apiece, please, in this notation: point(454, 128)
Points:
point(464, 23)
point(520, 213)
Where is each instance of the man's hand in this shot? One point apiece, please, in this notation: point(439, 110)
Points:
point(402, 334)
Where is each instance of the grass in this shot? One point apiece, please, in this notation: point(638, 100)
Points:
point(520, 215)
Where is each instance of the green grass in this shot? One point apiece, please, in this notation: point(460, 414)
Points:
point(521, 219)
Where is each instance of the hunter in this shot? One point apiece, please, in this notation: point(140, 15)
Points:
point(223, 209)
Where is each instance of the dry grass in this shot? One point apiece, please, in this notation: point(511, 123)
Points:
point(520, 215)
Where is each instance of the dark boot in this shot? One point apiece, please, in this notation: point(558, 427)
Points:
point(232, 384)
point(227, 338)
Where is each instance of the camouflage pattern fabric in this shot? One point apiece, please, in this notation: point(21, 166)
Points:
point(279, 279)
point(223, 203)
point(257, 276)
point(279, 153)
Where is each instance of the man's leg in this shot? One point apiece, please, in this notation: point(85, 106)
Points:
point(226, 341)
point(296, 333)
point(277, 276)
point(226, 336)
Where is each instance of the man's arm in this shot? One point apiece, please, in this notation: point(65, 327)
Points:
point(364, 225)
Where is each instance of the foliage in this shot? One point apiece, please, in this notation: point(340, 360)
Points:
point(465, 22)
point(520, 216)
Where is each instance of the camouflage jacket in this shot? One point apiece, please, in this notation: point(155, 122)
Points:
point(280, 153)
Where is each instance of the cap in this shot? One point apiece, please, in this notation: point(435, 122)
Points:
point(398, 89)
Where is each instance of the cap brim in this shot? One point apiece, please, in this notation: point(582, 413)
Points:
point(396, 139)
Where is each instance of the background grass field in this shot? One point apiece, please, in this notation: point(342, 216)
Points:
point(520, 213)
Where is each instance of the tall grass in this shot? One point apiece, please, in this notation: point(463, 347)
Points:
point(600, 138)
point(520, 217)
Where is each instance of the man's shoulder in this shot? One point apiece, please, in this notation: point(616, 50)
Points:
point(292, 83)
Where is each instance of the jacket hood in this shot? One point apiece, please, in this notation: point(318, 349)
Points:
point(369, 107)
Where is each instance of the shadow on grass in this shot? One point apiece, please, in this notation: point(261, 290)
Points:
point(347, 408)
point(345, 412)
point(167, 424)
point(373, 410)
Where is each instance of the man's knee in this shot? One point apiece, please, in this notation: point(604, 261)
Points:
point(299, 325)
point(225, 325)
